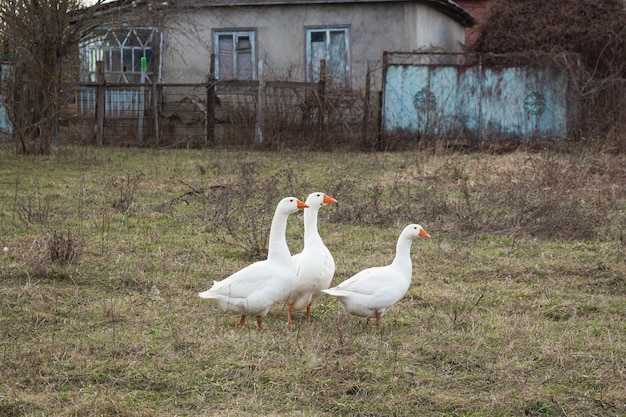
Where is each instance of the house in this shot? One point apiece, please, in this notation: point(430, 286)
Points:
point(289, 37)
point(167, 43)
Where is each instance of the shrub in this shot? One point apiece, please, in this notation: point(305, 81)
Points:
point(63, 249)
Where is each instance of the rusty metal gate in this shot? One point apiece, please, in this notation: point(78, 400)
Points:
point(493, 97)
point(5, 81)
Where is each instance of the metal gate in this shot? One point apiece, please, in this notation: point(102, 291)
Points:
point(494, 97)
point(5, 124)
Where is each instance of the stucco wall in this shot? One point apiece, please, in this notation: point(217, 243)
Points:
point(280, 36)
point(436, 31)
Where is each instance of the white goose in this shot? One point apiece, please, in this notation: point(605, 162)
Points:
point(315, 264)
point(254, 289)
point(372, 291)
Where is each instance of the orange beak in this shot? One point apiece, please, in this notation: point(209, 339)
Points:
point(329, 200)
point(301, 205)
point(423, 233)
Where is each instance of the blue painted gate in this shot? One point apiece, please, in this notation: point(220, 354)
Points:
point(444, 95)
point(5, 124)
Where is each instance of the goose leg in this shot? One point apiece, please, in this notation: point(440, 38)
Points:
point(308, 313)
point(259, 323)
point(378, 317)
point(289, 308)
point(242, 322)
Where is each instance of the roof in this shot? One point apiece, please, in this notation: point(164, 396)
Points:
point(448, 7)
point(453, 10)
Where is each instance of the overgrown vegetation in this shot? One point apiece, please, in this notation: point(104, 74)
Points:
point(63, 248)
point(41, 39)
point(517, 307)
point(593, 31)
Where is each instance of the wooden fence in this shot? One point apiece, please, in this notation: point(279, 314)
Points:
point(220, 113)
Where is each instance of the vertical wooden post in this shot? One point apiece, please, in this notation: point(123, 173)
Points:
point(100, 102)
point(142, 100)
point(381, 121)
point(366, 109)
point(156, 103)
point(260, 107)
point(209, 123)
point(480, 81)
point(22, 98)
point(321, 97)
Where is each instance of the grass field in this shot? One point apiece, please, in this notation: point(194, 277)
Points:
point(517, 306)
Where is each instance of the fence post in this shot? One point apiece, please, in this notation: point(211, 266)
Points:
point(142, 99)
point(155, 111)
point(480, 82)
point(381, 119)
point(21, 111)
point(100, 102)
point(321, 97)
point(260, 108)
point(366, 109)
point(209, 124)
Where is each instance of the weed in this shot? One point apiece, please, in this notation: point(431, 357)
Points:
point(240, 210)
point(34, 207)
point(63, 249)
point(126, 188)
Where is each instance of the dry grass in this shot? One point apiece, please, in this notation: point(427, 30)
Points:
point(517, 307)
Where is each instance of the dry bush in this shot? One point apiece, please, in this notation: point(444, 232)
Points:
point(545, 196)
point(553, 209)
point(34, 208)
point(386, 203)
point(63, 249)
point(595, 31)
point(246, 210)
point(125, 190)
point(240, 208)
point(542, 195)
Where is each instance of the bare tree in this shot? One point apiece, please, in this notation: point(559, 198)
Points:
point(42, 38)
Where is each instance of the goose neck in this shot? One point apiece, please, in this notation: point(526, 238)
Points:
point(277, 245)
point(403, 250)
point(310, 224)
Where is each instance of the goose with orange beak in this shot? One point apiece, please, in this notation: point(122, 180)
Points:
point(315, 265)
point(257, 287)
point(372, 291)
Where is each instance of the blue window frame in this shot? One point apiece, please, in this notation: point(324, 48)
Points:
point(331, 44)
point(235, 54)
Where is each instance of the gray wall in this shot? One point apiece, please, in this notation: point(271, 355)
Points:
point(280, 32)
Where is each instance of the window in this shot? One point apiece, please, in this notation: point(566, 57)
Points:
point(331, 45)
point(235, 55)
point(121, 51)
